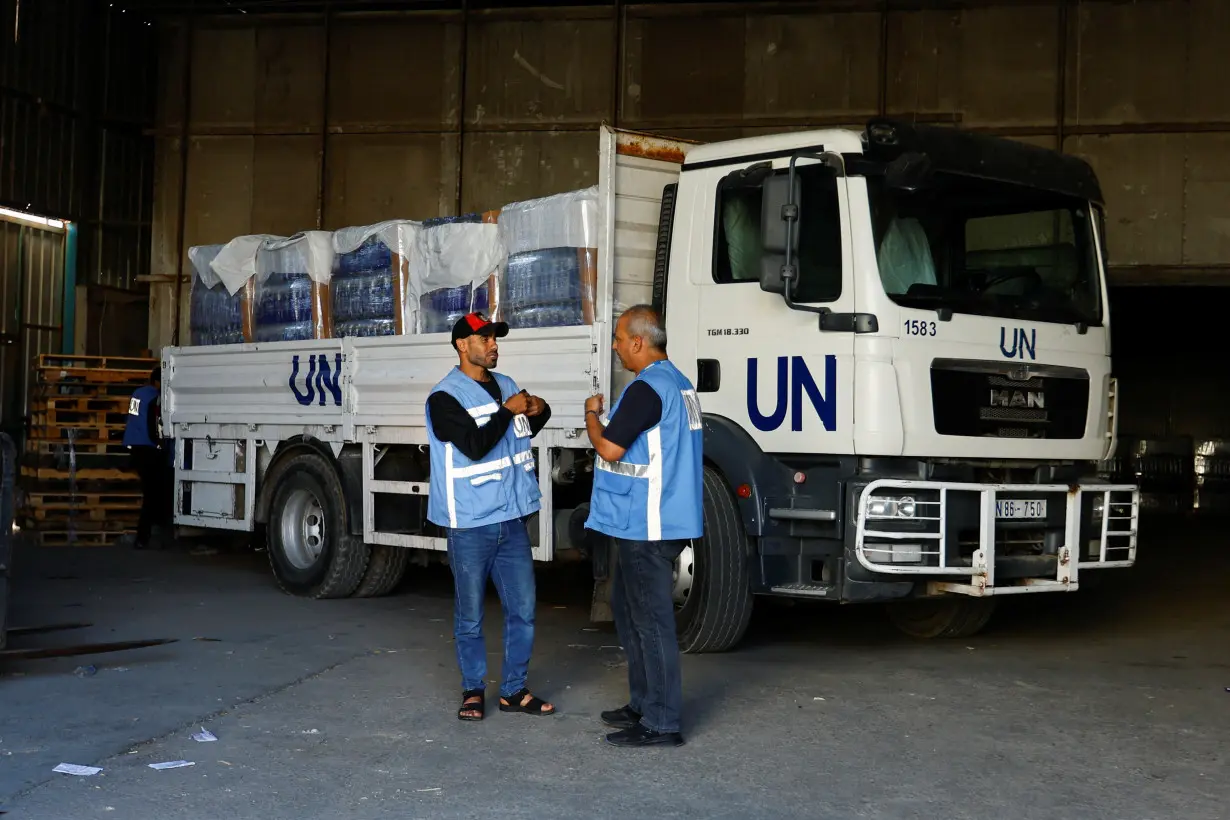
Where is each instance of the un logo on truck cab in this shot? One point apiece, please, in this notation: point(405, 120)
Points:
point(794, 372)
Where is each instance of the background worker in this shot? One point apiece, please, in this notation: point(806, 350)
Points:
point(148, 452)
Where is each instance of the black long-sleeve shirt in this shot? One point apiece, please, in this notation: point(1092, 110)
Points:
point(451, 423)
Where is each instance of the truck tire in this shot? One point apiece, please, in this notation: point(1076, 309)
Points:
point(956, 617)
point(310, 549)
point(384, 571)
point(715, 612)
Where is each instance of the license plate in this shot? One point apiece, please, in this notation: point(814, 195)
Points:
point(1020, 508)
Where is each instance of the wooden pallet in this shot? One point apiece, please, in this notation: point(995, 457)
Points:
point(79, 435)
point(84, 474)
point(91, 519)
point(79, 402)
point(51, 447)
point(81, 419)
point(53, 500)
point(74, 372)
point(86, 375)
point(66, 538)
point(120, 363)
point(82, 390)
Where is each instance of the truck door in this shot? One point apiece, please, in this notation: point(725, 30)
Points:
point(759, 362)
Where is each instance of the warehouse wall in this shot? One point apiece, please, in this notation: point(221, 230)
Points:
point(76, 94)
point(302, 121)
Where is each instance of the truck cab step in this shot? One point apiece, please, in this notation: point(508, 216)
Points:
point(805, 590)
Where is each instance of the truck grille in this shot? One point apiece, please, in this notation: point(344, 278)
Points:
point(974, 398)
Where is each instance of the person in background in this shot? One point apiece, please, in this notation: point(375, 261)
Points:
point(483, 488)
point(148, 451)
point(647, 497)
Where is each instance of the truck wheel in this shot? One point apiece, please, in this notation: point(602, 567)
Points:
point(384, 572)
point(957, 617)
point(311, 552)
point(713, 584)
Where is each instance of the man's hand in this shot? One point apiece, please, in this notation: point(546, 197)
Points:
point(594, 403)
point(537, 405)
point(518, 403)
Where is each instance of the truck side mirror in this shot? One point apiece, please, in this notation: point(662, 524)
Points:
point(908, 172)
point(777, 210)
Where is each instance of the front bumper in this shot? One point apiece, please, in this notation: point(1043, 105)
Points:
point(956, 538)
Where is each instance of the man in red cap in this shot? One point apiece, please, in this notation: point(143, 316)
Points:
point(483, 488)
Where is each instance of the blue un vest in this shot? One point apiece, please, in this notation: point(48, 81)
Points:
point(136, 428)
point(499, 487)
point(654, 493)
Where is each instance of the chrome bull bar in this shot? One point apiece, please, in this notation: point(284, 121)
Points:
point(906, 527)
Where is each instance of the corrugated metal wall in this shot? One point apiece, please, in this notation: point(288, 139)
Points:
point(31, 309)
point(76, 95)
point(308, 120)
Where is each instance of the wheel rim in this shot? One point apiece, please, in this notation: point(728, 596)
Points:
point(302, 529)
point(683, 575)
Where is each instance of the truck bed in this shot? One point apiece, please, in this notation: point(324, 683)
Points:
point(375, 389)
point(230, 408)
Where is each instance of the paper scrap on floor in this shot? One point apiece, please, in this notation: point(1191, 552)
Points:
point(172, 764)
point(73, 768)
point(204, 736)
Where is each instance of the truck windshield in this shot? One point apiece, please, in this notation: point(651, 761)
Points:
point(987, 248)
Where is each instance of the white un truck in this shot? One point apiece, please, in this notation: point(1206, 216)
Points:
point(901, 343)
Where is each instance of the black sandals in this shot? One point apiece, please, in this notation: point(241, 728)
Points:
point(513, 703)
point(478, 706)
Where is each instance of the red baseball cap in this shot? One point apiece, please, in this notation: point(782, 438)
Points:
point(477, 323)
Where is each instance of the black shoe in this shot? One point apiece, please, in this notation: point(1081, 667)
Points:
point(640, 735)
point(625, 717)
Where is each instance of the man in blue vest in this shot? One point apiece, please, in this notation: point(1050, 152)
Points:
point(647, 497)
point(483, 488)
point(144, 441)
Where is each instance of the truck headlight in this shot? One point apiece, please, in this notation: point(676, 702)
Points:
point(890, 507)
point(1099, 509)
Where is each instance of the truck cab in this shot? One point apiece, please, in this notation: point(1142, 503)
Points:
point(901, 343)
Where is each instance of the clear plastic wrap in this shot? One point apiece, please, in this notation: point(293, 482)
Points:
point(440, 308)
point(215, 315)
point(568, 220)
point(370, 279)
point(235, 265)
point(551, 276)
point(292, 293)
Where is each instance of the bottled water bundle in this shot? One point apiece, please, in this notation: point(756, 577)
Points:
point(292, 300)
point(544, 288)
point(440, 309)
point(551, 274)
point(215, 316)
point(362, 291)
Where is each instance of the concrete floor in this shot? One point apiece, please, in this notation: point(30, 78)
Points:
point(1111, 702)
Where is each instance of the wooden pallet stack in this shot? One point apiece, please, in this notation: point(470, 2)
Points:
point(78, 484)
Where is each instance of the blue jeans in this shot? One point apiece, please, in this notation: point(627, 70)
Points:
point(500, 552)
point(645, 620)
